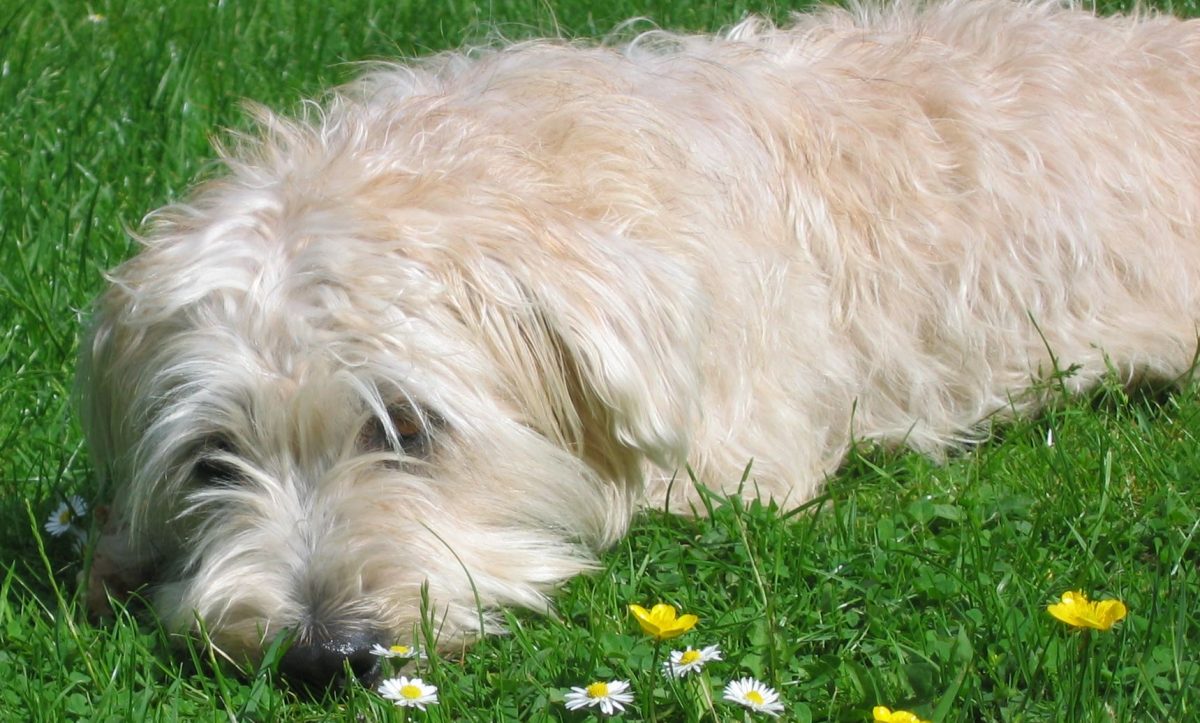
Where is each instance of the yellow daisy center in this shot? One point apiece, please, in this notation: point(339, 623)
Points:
point(399, 649)
point(754, 697)
point(410, 692)
point(689, 657)
point(64, 517)
point(597, 690)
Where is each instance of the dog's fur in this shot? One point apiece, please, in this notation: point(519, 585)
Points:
point(455, 324)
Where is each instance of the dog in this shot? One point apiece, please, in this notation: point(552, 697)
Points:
point(451, 327)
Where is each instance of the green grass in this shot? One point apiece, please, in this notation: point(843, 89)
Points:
point(908, 584)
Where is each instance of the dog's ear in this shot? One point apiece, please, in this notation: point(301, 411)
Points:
point(627, 326)
point(101, 386)
point(605, 335)
point(106, 383)
point(116, 355)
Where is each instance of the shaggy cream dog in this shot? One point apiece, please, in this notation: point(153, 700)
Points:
point(456, 323)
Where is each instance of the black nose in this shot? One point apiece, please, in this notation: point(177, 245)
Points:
point(319, 662)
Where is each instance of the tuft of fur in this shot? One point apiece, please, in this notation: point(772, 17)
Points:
point(456, 323)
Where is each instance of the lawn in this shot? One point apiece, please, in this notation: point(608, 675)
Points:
point(908, 584)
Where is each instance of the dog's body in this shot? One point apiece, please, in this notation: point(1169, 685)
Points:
point(459, 324)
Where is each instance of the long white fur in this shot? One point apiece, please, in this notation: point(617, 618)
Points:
point(583, 267)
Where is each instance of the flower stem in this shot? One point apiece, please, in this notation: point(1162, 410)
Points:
point(1086, 676)
point(705, 687)
point(651, 710)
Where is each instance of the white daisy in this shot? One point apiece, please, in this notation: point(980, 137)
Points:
point(395, 651)
point(754, 695)
point(691, 660)
point(611, 697)
point(64, 518)
point(409, 692)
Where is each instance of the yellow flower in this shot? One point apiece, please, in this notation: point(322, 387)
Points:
point(1077, 611)
point(660, 622)
point(886, 715)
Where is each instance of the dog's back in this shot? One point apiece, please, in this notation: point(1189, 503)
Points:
point(891, 222)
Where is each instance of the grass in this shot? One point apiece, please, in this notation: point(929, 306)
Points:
point(907, 584)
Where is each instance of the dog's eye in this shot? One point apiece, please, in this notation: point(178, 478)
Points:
point(213, 466)
point(407, 427)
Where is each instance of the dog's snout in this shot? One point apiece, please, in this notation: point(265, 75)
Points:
point(319, 662)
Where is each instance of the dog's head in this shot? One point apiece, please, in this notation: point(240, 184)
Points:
point(318, 390)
